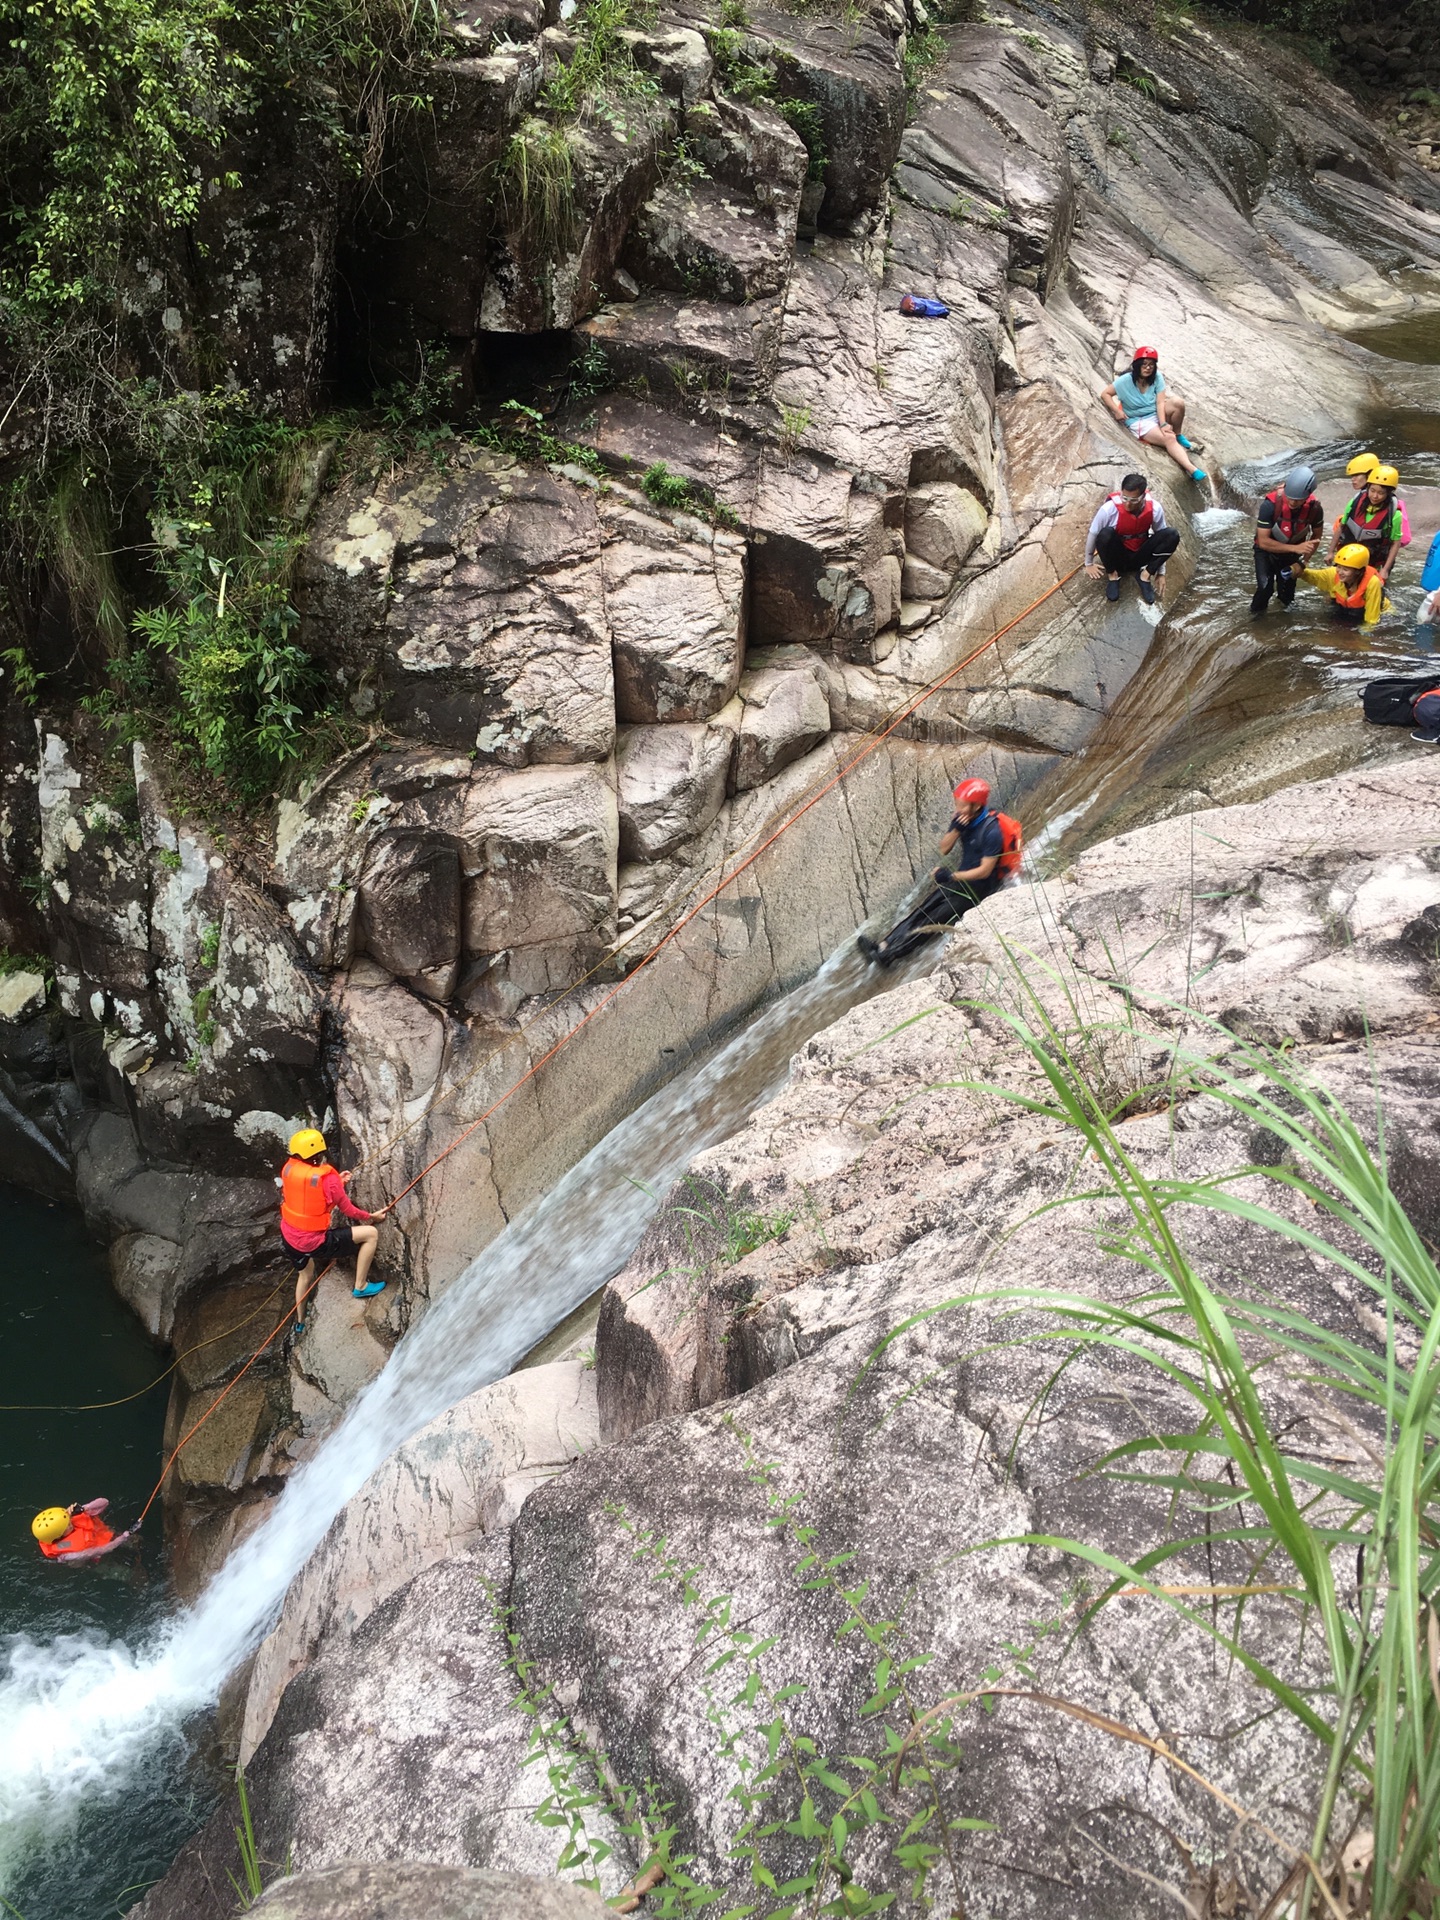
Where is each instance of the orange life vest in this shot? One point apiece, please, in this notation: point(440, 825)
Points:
point(1012, 840)
point(302, 1205)
point(86, 1530)
point(1356, 598)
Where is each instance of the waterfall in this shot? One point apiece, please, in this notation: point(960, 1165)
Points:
point(79, 1718)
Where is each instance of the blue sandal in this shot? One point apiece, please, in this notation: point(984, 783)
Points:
point(368, 1291)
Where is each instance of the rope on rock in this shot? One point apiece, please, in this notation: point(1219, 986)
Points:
point(872, 742)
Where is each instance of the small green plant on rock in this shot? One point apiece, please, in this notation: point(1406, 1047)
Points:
point(923, 53)
point(803, 117)
point(794, 424)
point(665, 488)
point(537, 185)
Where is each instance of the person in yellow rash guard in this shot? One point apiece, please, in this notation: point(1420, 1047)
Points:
point(1356, 588)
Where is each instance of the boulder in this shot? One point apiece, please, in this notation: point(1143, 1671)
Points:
point(409, 911)
point(670, 783)
point(944, 523)
point(920, 581)
point(548, 268)
point(465, 1474)
point(685, 350)
point(730, 232)
point(675, 602)
point(425, 1890)
point(849, 73)
point(786, 714)
point(539, 853)
point(470, 607)
point(986, 136)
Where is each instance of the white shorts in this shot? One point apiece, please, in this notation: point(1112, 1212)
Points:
point(1141, 426)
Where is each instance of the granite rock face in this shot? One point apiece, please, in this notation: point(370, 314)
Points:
point(861, 1394)
point(747, 512)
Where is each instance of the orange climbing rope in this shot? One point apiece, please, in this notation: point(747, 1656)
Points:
point(872, 742)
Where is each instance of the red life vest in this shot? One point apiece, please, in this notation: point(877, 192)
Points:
point(1132, 527)
point(302, 1205)
point(1012, 840)
point(86, 1530)
point(1292, 523)
point(1377, 528)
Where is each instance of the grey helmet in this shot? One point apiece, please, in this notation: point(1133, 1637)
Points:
point(1299, 483)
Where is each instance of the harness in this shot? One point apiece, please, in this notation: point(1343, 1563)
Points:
point(1372, 527)
point(1292, 517)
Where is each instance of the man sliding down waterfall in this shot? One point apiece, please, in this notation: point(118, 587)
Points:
point(1129, 535)
point(989, 845)
point(310, 1191)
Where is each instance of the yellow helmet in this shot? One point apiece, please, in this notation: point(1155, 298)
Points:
point(1353, 556)
point(1363, 463)
point(307, 1143)
point(1384, 476)
point(51, 1525)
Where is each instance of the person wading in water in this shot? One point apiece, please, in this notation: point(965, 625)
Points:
point(1376, 520)
point(1289, 526)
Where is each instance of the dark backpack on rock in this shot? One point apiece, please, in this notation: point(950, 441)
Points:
point(1391, 702)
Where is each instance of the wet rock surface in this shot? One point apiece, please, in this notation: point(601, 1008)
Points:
point(854, 1375)
point(593, 650)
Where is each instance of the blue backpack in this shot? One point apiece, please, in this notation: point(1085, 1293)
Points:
point(926, 309)
point(1430, 578)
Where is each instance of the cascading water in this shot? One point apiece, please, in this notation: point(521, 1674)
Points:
point(80, 1718)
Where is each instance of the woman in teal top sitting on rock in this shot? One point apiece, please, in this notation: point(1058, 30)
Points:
point(1139, 401)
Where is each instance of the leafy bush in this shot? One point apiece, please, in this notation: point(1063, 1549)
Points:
point(803, 117)
point(665, 488)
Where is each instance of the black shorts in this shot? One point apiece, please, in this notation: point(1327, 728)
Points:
point(338, 1244)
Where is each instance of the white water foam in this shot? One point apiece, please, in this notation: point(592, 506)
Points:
point(79, 1718)
point(1213, 520)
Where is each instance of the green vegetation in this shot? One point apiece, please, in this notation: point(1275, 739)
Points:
point(665, 488)
point(803, 117)
point(537, 185)
point(251, 1883)
point(923, 53)
point(11, 963)
point(802, 1812)
point(1353, 1538)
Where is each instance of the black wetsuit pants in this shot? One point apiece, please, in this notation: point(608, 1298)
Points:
point(1154, 550)
point(1275, 573)
point(948, 901)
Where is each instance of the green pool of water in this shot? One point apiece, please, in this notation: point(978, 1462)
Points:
point(68, 1339)
point(1416, 339)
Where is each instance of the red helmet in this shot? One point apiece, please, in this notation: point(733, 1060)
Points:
point(968, 790)
point(1146, 353)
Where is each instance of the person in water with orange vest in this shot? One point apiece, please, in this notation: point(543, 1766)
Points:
point(1357, 588)
point(1129, 535)
point(989, 844)
point(310, 1190)
point(1376, 520)
point(75, 1533)
point(1289, 526)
